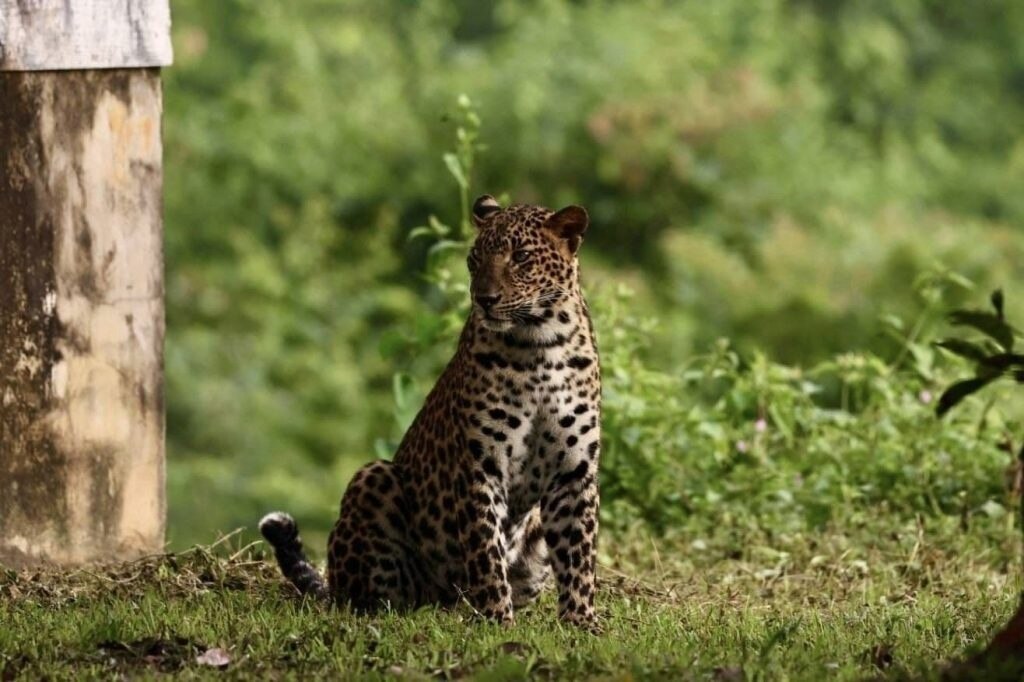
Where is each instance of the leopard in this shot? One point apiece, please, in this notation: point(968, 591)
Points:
point(492, 494)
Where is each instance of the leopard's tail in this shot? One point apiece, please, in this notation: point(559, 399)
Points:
point(282, 533)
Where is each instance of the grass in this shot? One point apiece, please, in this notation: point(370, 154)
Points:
point(844, 604)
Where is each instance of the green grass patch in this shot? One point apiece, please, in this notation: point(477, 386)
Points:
point(845, 604)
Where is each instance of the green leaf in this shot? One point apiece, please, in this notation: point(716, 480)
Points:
point(997, 302)
point(960, 390)
point(401, 384)
point(421, 231)
point(892, 321)
point(455, 168)
point(924, 358)
point(965, 349)
point(782, 422)
point(959, 280)
point(993, 509)
point(1003, 361)
point(986, 323)
point(445, 245)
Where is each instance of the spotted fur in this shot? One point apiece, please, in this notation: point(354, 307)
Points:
point(494, 486)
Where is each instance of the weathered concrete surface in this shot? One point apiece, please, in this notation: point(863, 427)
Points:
point(42, 35)
point(81, 316)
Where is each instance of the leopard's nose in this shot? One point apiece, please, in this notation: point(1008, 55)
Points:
point(487, 301)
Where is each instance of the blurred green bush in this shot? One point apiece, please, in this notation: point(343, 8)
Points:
point(776, 173)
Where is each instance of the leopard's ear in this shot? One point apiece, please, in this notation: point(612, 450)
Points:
point(483, 208)
point(569, 224)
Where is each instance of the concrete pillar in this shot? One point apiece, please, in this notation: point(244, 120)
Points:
point(81, 280)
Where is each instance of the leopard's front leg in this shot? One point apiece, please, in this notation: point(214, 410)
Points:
point(569, 510)
point(483, 515)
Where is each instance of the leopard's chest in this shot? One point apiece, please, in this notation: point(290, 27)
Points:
point(526, 416)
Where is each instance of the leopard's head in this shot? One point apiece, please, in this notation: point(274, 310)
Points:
point(523, 262)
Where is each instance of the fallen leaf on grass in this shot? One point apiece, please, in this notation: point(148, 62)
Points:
point(215, 658)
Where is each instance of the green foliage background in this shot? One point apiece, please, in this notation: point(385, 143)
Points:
point(800, 177)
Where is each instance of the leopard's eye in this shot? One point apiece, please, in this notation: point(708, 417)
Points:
point(473, 259)
point(520, 255)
